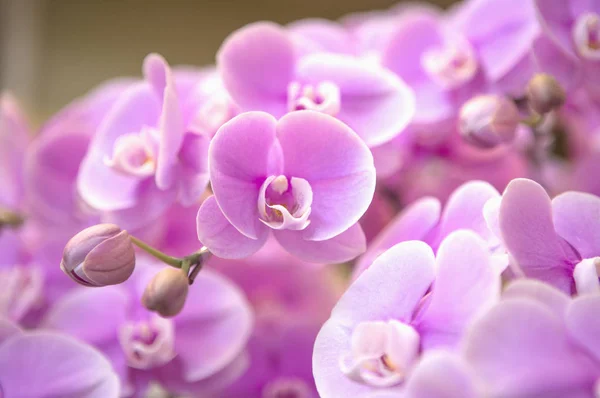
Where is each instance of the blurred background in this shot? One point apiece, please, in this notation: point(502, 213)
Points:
point(52, 51)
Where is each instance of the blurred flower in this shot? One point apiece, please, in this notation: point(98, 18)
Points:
point(291, 299)
point(488, 121)
point(573, 42)
point(408, 302)
point(262, 69)
point(41, 364)
point(538, 332)
point(424, 220)
point(556, 240)
point(144, 152)
point(98, 256)
point(307, 177)
point(205, 338)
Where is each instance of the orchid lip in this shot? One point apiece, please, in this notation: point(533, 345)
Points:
point(148, 343)
point(586, 35)
point(134, 154)
point(452, 65)
point(285, 203)
point(323, 97)
point(381, 353)
point(286, 387)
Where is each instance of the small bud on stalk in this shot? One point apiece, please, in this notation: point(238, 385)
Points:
point(167, 291)
point(487, 121)
point(99, 256)
point(544, 94)
point(10, 219)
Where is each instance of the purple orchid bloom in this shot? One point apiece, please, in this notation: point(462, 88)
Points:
point(307, 177)
point(503, 35)
point(449, 57)
point(441, 66)
point(291, 299)
point(210, 102)
point(205, 338)
point(50, 177)
point(144, 158)
point(537, 342)
point(556, 240)
point(572, 50)
point(264, 70)
point(408, 302)
point(424, 220)
point(42, 364)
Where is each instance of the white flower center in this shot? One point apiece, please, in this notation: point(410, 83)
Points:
point(451, 65)
point(323, 97)
point(285, 204)
point(586, 35)
point(381, 353)
point(148, 343)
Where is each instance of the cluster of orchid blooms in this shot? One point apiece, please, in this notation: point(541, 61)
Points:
point(319, 214)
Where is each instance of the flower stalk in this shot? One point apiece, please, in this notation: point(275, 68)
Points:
point(190, 264)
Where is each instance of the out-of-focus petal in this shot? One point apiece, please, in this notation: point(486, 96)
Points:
point(576, 219)
point(503, 29)
point(583, 323)
point(557, 19)
point(171, 130)
point(257, 63)
point(464, 209)
point(91, 315)
point(213, 327)
point(321, 35)
point(343, 247)
point(541, 292)
point(465, 286)
point(441, 374)
point(413, 223)
point(8, 329)
point(529, 236)
point(374, 102)
point(47, 365)
point(520, 349)
point(391, 288)
point(135, 108)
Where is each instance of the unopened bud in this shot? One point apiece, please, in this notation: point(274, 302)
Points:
point(489, 120)
point(98, 256)
point(544, 93)
point(166, 293)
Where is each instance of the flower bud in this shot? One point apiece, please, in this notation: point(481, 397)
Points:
point(489, 120)
point(166, 292)
point(544, 93)
point(98, 256)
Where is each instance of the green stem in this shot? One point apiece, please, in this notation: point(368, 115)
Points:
point(172, 261)
point(185, 265)
point(200, 259)
point(534, 120)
